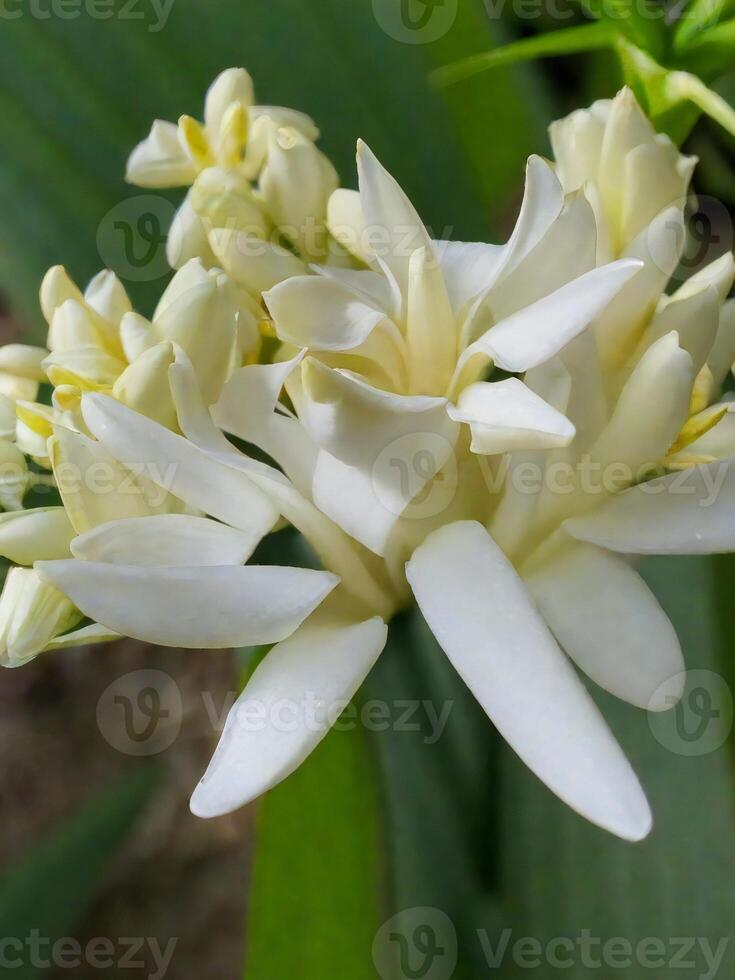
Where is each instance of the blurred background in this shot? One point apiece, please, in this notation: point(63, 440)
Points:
point(97, 843)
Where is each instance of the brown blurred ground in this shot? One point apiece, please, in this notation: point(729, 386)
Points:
point(176, 875)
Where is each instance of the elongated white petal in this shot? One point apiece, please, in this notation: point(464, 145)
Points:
point(662, 382)
point(197, 608)
point(694, 317)
point(538, 332)
point(481, 614)
point(32, 535)
point(390, 214)
point(507, 415)
point(165, 539)
point(321, 313)
point(293, 698)
point(431, 331)
point(686, 513)
point(609, 622)
point(178, 465)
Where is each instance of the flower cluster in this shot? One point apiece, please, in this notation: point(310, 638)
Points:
point(319, 360)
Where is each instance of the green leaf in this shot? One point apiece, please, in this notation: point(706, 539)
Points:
point(438, 780)
point(712, 53)
point(315, 897)
point(562, 875)
point(570, 40)
point(50, 889)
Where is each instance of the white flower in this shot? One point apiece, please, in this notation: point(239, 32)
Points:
point(406, 468)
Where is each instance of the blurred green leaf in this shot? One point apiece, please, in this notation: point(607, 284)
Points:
point(563, 876)
point(50, 889)
point(437, 773)
point(513, 101)
point(569, 40)
point(314, 904)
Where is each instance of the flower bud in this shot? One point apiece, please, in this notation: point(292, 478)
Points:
point(296, 184)
point(32, 613)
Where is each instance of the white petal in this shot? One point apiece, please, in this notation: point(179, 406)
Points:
point(33, 535)
point(160, 160)
point(346, 223)
point(695, 318)
point(165, 539)
point(195, 608)
point(381, 449)
point(231, 85)
point(651, 410)
point(609, 622)
point(293, 697)
point(321, 313)
point(481, 614)
point(543, 200)
point(469, 269)
point(538, 332)
point(254, 264)
point(507, 415)
point(389, 213)
point(106, 295)
point(178, 465)
point(686, 513)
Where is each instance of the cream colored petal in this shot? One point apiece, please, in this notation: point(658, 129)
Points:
point(506, 416)
point(609, 622)
point(33, 535)
point(160, 159)
point(480, 612)
point(195, 608)
point(164, 540)
point(323, 664)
